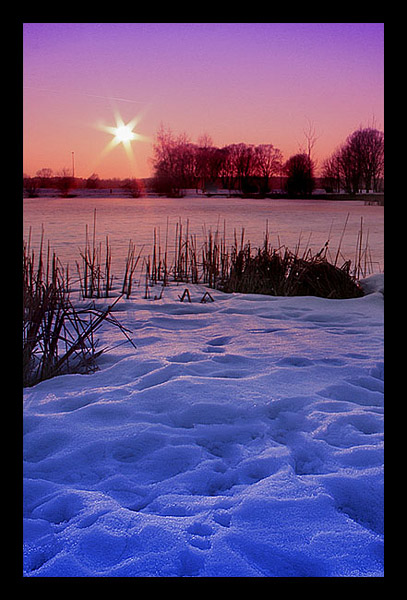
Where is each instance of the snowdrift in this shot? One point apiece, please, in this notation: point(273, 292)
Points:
point(243, 438)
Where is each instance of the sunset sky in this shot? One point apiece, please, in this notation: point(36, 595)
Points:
point(237, 82)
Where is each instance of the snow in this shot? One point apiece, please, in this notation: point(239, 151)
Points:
point(243, 438)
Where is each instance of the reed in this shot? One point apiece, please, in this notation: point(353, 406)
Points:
point(57, 337)
point(131, 265)
point(147, 279)
point(281, 272)
point(218, 264)
point(264, 270)
point(95, 279)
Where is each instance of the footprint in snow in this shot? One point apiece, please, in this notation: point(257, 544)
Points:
point(216, 345)
point(200, 533)
point(295, 361)
point(219, 341)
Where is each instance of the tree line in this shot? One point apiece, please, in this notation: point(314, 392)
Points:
point(65, 183)
point(179, 164)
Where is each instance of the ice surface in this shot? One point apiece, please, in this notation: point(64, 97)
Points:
point(243, 438)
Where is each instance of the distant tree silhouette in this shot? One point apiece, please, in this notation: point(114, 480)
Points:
point(64, 182)
point(208, 160)
point(299, 170)
point(243, 165)
point(174, 162)
point(358, 163)
point(180, 164)
point(44, 177)
point(133, 187)
point(268, 162)
point(31, 186)
point(92, 182)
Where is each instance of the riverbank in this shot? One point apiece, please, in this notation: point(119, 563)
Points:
point(374, 198)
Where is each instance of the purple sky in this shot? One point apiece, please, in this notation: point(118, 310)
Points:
point(238, 82)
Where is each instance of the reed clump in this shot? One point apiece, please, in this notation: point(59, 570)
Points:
point(57, 337)
point(282, 272)
point(95, 277)
point(266, 270)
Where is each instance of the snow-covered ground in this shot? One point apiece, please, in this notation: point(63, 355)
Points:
point(243, 438)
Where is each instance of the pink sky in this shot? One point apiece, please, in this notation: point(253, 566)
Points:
point(238, 82)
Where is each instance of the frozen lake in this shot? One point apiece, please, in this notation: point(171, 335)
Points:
point(308, 222)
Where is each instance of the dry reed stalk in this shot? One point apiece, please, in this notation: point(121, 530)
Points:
point(57, 338)
point(96, 281)
point(193, 261)
point(131, 265)
point(341, 240)
point(165, 265)
point(154, 261)
point(147, 263)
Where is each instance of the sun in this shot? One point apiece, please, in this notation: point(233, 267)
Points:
point(123, 134)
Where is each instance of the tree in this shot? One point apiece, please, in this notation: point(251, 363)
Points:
point(300, 175)
point(311, 139)
point(359, 162)
point(268, 162)
point(208, 161)
point(174, 162)
point(226, 168)
point(44, 177)
point(92, 182)
point(331, 173)
point(31, 186)
point(134, 187)
point(367, 148)
point(242, 163)
point(65, 182)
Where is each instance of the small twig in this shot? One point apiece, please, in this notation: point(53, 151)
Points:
point(186, 293)
point(205, 296)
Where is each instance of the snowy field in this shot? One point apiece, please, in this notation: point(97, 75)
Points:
point(242, 438)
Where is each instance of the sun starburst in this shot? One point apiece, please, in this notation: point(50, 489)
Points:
point(123, 134)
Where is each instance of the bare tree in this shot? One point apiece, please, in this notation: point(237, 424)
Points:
point(331, 172)
point(367, 147)
point(206, 161)
point(226, 168)
point(174, 162)
point(31, 186)
point(311, 139)
point(65, 182)
point(44, 176)
point(92, 182)
point(359, 162)
point(268, 162)
point(133, 187)
point(242, 163)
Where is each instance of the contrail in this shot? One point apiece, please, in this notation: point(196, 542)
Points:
point(28, 87)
